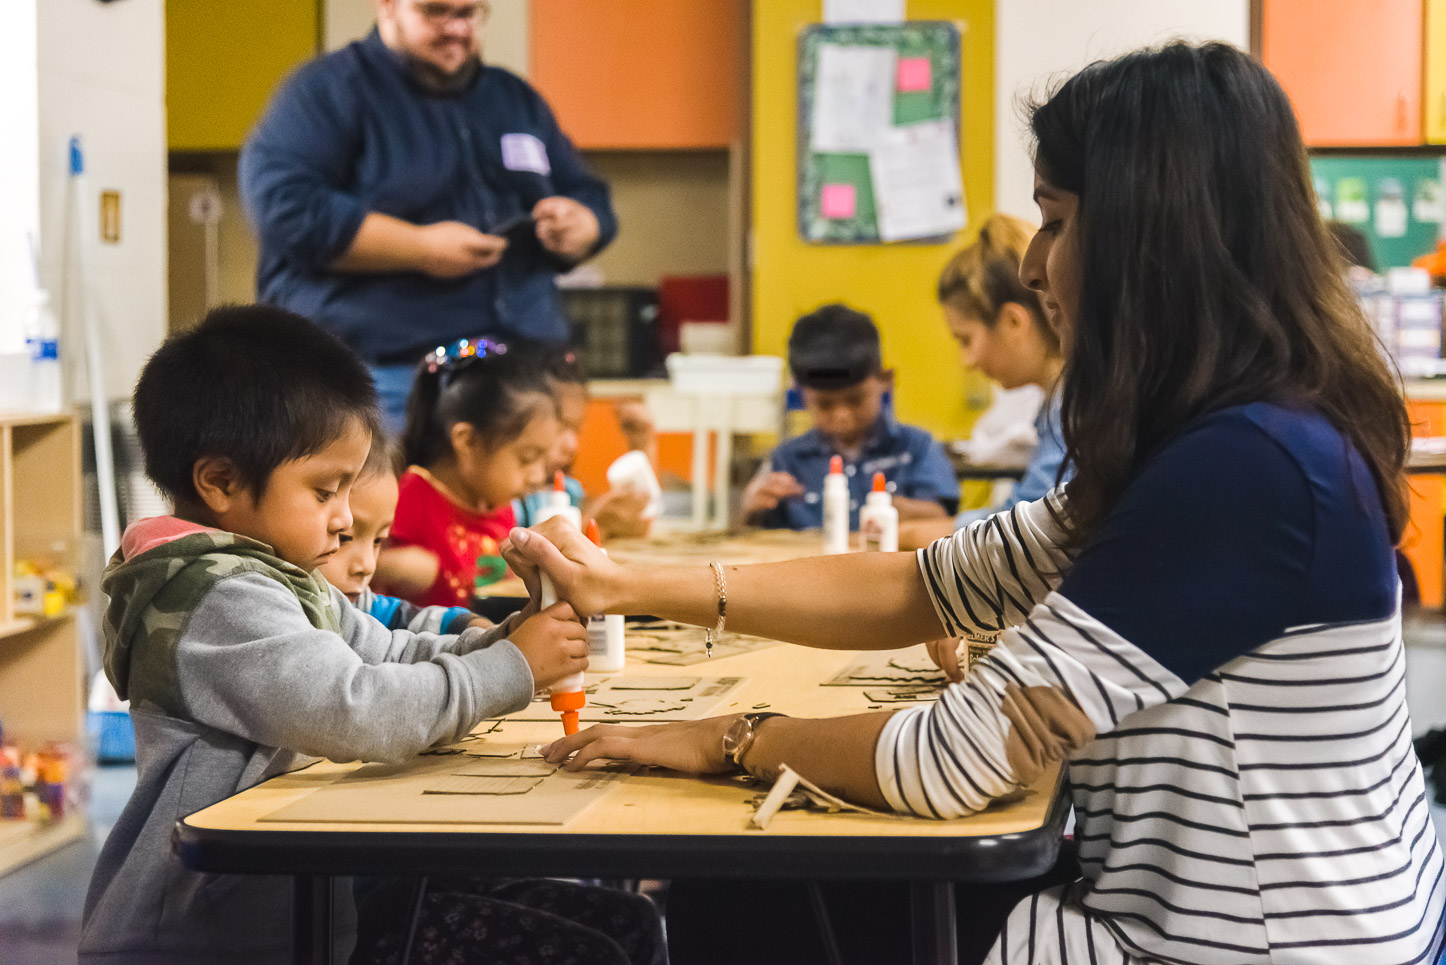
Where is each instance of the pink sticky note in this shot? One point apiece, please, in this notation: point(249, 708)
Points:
point(915, 74)
point(837, 200)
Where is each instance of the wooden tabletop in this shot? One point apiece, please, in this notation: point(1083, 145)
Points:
point(655, 822)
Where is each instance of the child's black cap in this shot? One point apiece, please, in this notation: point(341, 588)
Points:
point(834, 347)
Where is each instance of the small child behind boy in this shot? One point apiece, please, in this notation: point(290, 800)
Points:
point(350, 570)
point(619, 512)
point(240, 663)
point(837, 364)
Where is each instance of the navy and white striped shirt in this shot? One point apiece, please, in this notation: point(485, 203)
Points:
point(1222, 667)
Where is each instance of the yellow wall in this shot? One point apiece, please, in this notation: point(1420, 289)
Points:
point(894, 283)
point(1434, 96)
point(223, 60)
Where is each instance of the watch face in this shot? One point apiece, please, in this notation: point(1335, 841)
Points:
point(737, 731)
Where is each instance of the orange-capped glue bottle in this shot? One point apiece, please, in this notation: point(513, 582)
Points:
point(559, 503)
point(568, 697)
point(879, 519)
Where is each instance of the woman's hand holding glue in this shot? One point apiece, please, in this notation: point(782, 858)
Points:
point(578, 571)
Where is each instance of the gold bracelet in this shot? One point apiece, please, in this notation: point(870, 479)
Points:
point(717, 629)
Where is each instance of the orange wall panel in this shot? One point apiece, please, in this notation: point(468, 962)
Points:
point(1352, 69)
point(641, 73)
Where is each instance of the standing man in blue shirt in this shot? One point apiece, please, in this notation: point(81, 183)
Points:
point(406, 195)
point(837, 364)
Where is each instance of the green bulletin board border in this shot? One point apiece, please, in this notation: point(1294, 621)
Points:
point(936, 39)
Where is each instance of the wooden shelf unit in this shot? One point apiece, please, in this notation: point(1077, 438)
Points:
point(42, 695)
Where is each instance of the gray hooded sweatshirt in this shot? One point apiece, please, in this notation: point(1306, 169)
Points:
point(240, 666)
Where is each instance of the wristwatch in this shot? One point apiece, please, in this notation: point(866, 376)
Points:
point(739, 737)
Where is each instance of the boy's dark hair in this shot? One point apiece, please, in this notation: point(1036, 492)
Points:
point(489, 389)
point(834, 347)
point(254, 384)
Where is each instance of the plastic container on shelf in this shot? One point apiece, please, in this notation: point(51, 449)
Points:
point(725, 374)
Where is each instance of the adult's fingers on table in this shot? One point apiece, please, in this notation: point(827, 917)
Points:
point(606, 748)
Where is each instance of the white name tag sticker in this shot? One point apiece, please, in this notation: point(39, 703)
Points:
point(524, 152)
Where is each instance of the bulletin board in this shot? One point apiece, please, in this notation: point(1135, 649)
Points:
point(836, 196)
point(1398, 203)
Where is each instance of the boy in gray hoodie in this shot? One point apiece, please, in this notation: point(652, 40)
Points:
point(239, 661)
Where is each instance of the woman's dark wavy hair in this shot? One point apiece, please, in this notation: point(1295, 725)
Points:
point(1207, 278)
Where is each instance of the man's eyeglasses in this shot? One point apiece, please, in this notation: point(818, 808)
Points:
point(439, 14)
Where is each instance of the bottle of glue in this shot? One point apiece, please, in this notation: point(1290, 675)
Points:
point(568, 696)
point(605, 644)
point(835, 508)
point(559, 503)
point(879, 520)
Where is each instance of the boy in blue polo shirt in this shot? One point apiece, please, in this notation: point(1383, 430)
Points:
point(837, 365)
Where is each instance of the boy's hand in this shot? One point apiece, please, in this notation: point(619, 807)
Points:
point(554, 643)
point(767, 490)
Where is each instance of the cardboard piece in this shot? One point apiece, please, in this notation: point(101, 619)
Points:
point(894, 670)
point(480, 784)
point(678, 645)
point(429, 790)
point(623, 698)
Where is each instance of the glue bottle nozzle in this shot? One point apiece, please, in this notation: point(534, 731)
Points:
point(592, 532)
point(879, 485)
point(559, 482)
point(835, 465)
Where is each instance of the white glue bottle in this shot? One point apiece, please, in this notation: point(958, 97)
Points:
point(879, 520)
point(835, 508)
point(567, 694)
point(605, 644)
point(559, 503)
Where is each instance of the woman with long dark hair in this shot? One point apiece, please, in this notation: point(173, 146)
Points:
point(1203, 623)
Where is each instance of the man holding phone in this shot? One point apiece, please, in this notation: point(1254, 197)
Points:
point(406, 195)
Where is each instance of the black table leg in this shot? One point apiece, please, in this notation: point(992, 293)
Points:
point(311, 911)
point(931, 913)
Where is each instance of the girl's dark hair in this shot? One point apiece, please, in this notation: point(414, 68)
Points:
point(497, 390)
point(1207, 278)
point(982, 277)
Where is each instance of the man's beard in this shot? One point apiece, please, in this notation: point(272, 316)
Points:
point(434, 80)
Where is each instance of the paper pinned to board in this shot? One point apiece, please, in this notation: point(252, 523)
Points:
point(853, 106)
point(918, 187)
point(863, 11)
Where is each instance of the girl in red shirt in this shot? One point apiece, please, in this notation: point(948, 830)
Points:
point(481, 421)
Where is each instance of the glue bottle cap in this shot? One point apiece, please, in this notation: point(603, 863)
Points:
point(835, 465)
point(879, 486)
point(592, 532)
point(559, 482)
